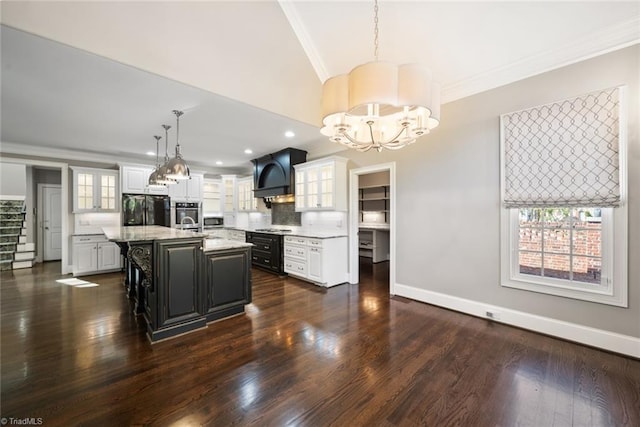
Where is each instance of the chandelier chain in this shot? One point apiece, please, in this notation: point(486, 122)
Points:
point(375, 29)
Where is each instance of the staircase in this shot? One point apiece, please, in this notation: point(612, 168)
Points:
point(15, 252)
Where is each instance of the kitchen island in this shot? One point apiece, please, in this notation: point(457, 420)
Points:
point(185, 280)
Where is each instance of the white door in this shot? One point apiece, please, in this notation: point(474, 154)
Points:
point(52, 223)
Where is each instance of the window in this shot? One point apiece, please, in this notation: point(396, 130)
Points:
point(561, 243)
point(577, 253)
point(564, 220)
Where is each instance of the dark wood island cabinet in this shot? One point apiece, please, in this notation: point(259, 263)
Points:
point(186, 280)
point(223, 270)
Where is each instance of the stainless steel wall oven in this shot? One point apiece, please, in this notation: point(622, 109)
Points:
point(187, 215)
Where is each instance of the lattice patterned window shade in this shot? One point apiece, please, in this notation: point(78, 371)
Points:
point(564, 153)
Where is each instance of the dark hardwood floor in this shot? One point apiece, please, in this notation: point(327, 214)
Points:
point(302, 355)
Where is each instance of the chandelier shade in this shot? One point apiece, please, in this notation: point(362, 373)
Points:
point(379, 104)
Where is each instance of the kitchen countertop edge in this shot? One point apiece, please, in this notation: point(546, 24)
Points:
point(298, 233)
point(148, 233)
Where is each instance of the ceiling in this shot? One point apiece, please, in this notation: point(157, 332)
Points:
point(96, 80)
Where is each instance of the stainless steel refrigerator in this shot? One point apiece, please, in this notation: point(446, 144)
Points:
point(139, 209)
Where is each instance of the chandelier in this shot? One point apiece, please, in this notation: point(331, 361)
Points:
point(379, 104)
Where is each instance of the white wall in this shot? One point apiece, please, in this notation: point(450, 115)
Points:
point(448, 196)
point(13, 179)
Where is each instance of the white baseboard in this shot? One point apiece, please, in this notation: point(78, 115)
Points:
point(611, 341)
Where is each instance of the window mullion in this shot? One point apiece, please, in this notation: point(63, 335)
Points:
point(571, 211)
point(542, 242)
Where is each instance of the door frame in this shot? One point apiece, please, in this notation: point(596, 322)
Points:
point(40, 219)
point(354, 174)
point(64, 200)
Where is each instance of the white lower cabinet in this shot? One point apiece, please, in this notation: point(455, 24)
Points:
point(321, 261)
point(94, 254)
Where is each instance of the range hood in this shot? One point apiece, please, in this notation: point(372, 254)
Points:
point(273, 174)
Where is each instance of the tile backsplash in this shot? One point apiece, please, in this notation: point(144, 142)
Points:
point(325, 220)
point(285, 214)
point(92, 222)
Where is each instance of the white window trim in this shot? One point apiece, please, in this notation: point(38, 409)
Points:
point(614, 253)
point(614, 289)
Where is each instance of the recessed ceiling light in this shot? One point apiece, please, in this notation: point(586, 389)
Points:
point(248, 151)
point(151, 153)
point(289, 134)
point(218, 163)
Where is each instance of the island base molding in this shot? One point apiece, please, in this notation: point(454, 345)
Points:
point(155, 336)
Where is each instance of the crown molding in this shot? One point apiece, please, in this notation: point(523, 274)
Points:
point(17, 149)
point(300, 31)
point(56, 153)
point(614, 37)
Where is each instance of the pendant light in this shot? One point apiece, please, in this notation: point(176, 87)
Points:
point(162, 171)
point(153, 178)
point(177, 168)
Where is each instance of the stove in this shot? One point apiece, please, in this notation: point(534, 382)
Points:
point(274, 230)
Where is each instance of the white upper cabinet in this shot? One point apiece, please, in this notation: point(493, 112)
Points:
point(229, 193)
point(211, 192)
point(187, 190)
point(321, 184)
point(95, 190)
point(246, 201)
point(135, 180)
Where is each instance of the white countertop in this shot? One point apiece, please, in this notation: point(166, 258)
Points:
point(147, 233)
point(374, 226)
point(295, 231)
point(220, 244)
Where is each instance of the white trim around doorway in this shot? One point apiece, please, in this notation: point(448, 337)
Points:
point(64, 200)
point(354, 174)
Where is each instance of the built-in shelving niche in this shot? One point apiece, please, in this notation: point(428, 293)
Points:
point(374, 199)
point(374, 204)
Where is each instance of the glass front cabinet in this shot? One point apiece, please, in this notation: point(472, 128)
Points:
point(95, 190)
point(321, 184)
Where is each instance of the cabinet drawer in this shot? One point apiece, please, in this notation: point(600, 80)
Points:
point(260, 259)
point(315, 243)
point(294, 267)
point(295, 251)
point(261, 246)
point(97, 238)
point(295, 240)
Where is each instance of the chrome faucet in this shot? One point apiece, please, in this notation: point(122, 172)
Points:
point(189, 218)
